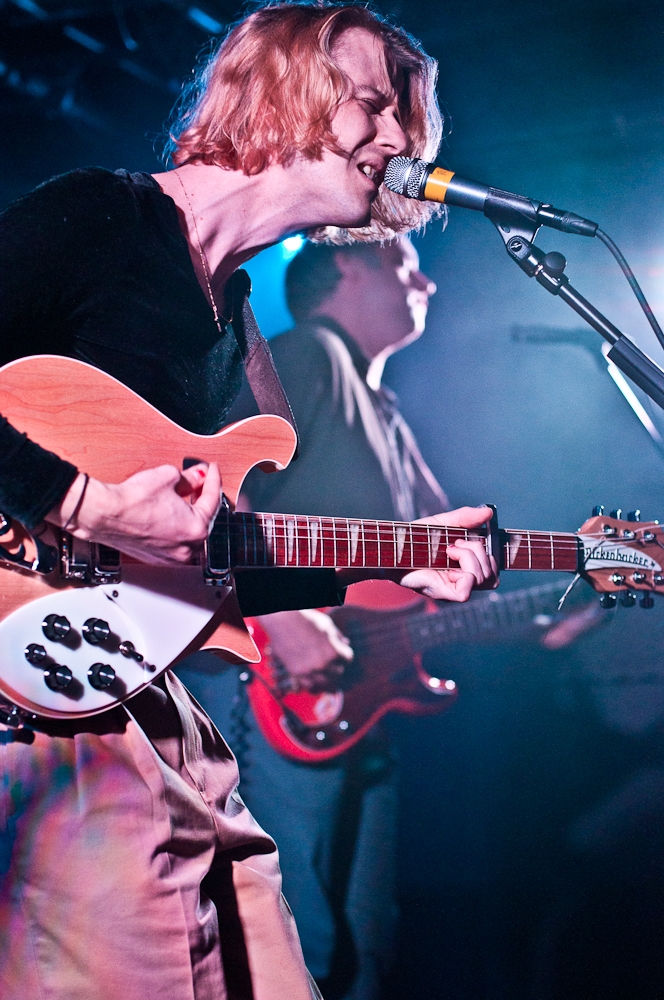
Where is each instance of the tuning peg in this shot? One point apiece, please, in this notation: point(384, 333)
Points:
point(616, 513)
point(647, 601)
point(634, 515)
point(608, 601)
point(628, 599)
point(598, 510)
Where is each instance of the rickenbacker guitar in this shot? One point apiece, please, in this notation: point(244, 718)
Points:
point(83, 629)
point(389, 630)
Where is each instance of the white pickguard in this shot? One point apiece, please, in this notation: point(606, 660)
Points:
point(160, 610)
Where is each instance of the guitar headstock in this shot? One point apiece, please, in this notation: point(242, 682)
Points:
point(623, 555)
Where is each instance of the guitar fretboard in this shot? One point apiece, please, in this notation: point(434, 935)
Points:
point(290, 540)
point(491, 614)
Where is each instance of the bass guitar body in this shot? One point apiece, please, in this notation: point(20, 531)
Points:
point(155, 615)
point(385, 676)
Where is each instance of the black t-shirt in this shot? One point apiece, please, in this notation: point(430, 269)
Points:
point(93, 265)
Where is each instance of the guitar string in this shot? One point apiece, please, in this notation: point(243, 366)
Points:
point(506, 603)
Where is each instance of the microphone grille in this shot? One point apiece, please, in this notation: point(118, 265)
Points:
point(404, 176)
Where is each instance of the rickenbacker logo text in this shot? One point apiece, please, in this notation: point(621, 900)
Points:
point(601, 555)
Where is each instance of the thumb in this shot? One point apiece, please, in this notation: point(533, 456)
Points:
point(465, 517)
point(207, 504)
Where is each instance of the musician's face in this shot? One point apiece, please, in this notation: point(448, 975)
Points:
point(392, 296)
point(367, 130)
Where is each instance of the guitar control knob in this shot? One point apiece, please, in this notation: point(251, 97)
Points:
point(128, 649)
point(95, 630)
point(616, 513)
point(58, 678)
point(649, 536)
point(101, 675)
point(647, 601)
point(56, 627)
point(658, 579)
point(35, 653)
point(628, 599)
point(598, 510)
point(608, 601)
point(639, 577)
point(617, 578)
point(634, 515)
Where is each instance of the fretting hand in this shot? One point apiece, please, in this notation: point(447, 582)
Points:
point(476, 568)
point(160, 516)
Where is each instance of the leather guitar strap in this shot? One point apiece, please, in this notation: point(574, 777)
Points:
point(262, 375)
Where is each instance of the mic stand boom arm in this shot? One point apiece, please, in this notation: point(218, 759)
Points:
point(516, 221)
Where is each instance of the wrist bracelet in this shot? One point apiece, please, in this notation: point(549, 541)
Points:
point(72, 517)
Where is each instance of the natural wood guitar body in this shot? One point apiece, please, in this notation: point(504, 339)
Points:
point(97, 423)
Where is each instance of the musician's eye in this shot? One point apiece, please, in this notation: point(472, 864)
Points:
point(372, 106)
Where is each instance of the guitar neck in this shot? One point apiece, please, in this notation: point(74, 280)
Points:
point(493, 614)
point(289, 540)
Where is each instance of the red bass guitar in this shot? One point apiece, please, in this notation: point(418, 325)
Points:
point(389, 630)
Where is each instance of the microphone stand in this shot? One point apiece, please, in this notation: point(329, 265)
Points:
point(518, 224)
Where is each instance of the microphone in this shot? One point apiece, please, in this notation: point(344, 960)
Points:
point(427, 182)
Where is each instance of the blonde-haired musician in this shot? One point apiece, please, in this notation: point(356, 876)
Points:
point(131, 867)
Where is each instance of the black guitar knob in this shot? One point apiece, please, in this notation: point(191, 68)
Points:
point(598, 510)
point(608, 601)
point(616, 513)
point(58, 677)
point(128, 649)
point(628, 599)
point(101, 675)
point(95, 630)
point(634, 515)
point(647, 601)
point(56, 627)
point(35, 653)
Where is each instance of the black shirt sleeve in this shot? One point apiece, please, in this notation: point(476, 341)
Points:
point(32, 480)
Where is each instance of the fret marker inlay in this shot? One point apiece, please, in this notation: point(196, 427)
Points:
point(313, 525)
point(513, 545)
point(401, 539)
point(435, 534)
point(290, 536)
point(268, 530)
point(354, 535)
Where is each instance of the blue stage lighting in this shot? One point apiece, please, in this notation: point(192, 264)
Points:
point(291, 246)
point(204, 20)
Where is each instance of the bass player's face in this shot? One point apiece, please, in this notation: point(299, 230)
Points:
point(391, 296)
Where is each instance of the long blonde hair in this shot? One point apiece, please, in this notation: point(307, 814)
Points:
point(269, 91)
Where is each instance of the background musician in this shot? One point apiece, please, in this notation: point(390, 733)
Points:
point(335, 823)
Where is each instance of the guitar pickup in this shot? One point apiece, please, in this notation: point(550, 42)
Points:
point(217, 561)
point(89, 562)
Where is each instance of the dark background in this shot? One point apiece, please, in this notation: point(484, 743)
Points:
point(531, 857)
